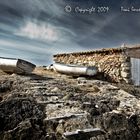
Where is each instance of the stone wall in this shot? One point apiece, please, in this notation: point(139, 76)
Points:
point(115, 67)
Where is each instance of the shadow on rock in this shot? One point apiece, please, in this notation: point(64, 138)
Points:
point(38, 77)
point(21, 119)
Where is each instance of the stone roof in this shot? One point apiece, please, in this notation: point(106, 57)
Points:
point(106, 51)
point(102, 51)
point(133, 47)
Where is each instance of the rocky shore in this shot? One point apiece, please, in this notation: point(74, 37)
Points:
point(50, 106)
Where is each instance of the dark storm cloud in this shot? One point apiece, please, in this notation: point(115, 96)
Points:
point(34, 28)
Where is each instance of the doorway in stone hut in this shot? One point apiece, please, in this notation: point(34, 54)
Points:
point(135, 71)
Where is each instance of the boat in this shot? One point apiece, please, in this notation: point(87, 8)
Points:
point(13, 65)
point(75, 69)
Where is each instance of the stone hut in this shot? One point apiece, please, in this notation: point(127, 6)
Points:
point(114, 64)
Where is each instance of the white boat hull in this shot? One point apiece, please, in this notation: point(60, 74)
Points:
point(12, 65)
point(75, 69)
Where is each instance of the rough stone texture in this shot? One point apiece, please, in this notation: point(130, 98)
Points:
point(5, 86)
point(20, 109)
point(115, 67)
point(46, 108)
point(20, 118)
point(26, 129)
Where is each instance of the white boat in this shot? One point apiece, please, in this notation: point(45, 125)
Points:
point(75, 69)
point(13, 65)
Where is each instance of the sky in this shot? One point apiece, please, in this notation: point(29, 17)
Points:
point(34, 30)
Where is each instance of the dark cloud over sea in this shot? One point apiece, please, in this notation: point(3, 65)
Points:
point(36, 29)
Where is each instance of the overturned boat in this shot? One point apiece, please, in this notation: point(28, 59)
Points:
point(13, 65)
point(75, 69)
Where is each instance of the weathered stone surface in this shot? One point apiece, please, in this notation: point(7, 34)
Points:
point(75, 105)
point(126, 69)
point(21, 118)
point(125, 74)
point(5, 86)
point(126, 64)
point(84, 134)
point(128, 81)
point(24, 130)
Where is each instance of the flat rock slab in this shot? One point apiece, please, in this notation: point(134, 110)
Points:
point(86, 133)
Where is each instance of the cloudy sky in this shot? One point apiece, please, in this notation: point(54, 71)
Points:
point(34, 30)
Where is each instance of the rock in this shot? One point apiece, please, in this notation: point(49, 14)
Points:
point(5, 86)
point(138, 121)
point(85, 62)
point(84, 134)
point(14, 111)
point(81, 78)
point(125, 74)
point(1, 98)
point(14, 75)
point(128, 81)
point(68, 96)
point(114, 121)
point(56, 89)
point(95, 89)
point(126, 69)
point(24, 130)
point(126, 64)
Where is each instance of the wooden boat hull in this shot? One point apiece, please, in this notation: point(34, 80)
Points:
point(12, 65)
point(75, 69)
